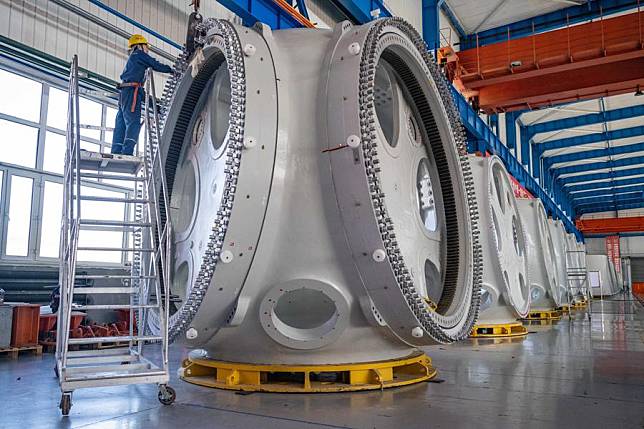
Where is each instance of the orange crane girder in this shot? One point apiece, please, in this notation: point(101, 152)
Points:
point(611, 225)
point(599, 58)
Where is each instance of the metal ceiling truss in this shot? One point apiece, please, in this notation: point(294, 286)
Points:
point(580, 197)
point(529, 131)
point(548, 21)
point(631, 200)
point(605, 184)
point(601, 165)
point(585, 178)
point(590, 154)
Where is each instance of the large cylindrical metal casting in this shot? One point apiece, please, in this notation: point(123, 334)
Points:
point(542, 270)
point(320, 194)
point(505, 291)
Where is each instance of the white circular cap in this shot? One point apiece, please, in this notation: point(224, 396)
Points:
point(249, 142)
point(249, 50)
point(226, 256)
point(379, 255)
point(191, 333)
point(353, 141)
point(354, 48)
point(417, 332)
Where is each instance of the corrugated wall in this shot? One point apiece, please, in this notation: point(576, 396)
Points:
point(50, 28)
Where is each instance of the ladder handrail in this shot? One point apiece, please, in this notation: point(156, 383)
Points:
point(155, 169)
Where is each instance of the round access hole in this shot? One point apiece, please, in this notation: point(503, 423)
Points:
point(304, 314)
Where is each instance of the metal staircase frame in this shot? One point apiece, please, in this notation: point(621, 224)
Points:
point(147, 283)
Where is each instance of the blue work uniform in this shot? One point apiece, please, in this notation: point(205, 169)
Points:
point(128, 118)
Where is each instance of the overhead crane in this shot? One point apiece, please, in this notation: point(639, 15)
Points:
point(600, 58)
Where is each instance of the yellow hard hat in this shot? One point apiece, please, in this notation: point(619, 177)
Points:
point(136, 39)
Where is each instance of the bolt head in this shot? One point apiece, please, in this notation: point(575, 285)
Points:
point(354, 48)
point(379, 255)
point(353, 141)
point(417, 332)
point(249, 50)
point(249, 142)
point(192, 333)
point(226, 256)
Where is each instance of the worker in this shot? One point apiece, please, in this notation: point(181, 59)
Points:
point(128, 118)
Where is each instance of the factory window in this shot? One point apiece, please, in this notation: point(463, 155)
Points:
point(20, 96)
point(51, 210)
point(18, 143)
point(19, 218)
point(57, 109)
point(33, 124)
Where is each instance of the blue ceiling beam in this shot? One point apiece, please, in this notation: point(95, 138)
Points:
point(482, 139)
point(617, 198)
point(600, 165)
point(359, 11)
point(580, 197)
point(591, 138)
point(593, 153)
point(548, 21)
point(266, 11)
point(584, 120)
point(605, 184)
point(610, 207)
point(600, 176)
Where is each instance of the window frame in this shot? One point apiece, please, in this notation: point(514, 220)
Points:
point(39, 175)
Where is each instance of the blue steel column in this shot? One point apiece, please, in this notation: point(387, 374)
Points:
point(431, 24)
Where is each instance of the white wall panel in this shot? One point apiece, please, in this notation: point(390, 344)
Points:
point(47, 27)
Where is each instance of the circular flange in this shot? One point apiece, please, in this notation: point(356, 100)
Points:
point(508, 237)
point(547, 250)
point(209, 120)
point(387, 201)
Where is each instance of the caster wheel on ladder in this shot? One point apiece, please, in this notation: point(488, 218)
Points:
point(65, 403)
point(167, 395)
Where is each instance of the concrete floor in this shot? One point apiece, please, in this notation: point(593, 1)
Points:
point(579, 373)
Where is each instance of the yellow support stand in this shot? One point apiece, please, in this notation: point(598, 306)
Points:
point(545, 314)
point(515, 329)
point(579, 305)
point(308, 378)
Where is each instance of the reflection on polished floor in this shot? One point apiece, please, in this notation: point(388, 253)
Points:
point(578, 373)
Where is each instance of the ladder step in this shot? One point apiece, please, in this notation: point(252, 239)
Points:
point(137, 371)
point(101, 359)
point(115, 249)
point(112, 177)
point(105, 290)
point(113, 199)
point(97, 371)
point(115, 307)
point(109, 276)
point(122, 351)
point(96, 340)
point(119, 223)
